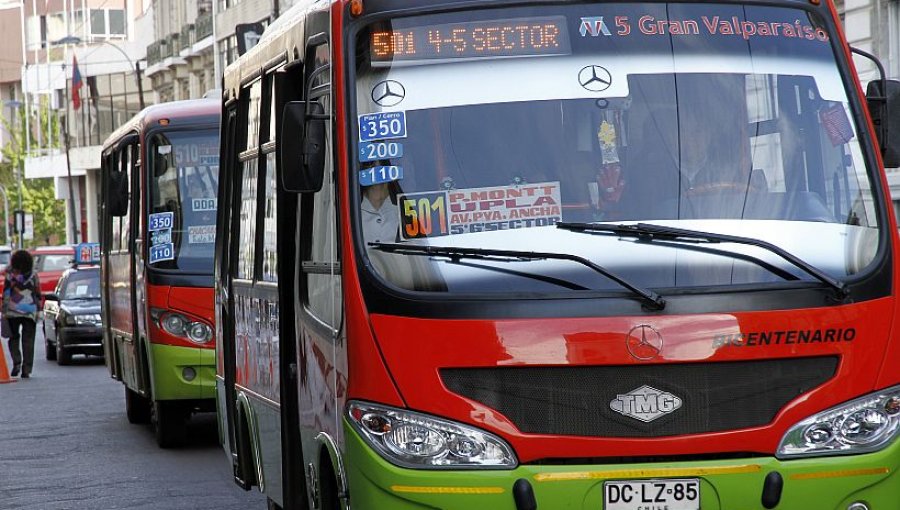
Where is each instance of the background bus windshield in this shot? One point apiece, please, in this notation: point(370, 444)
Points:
point(184, 174)
point(725, 118)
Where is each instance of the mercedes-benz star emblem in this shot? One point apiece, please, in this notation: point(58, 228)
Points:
point(643, 342)
point(595, 78)
point(388, 93)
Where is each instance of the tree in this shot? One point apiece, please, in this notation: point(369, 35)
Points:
point(38, 196)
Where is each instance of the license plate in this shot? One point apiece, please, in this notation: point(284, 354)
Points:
point(652, 495)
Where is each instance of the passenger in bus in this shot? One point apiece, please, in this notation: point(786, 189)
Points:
point(380, 214)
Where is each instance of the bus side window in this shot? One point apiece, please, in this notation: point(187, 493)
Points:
point(249, 185)
point(320, 264)
point(125, 160)
point(115, 233)
point(270, 200)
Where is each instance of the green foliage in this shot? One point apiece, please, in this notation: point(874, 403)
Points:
point(38, 197)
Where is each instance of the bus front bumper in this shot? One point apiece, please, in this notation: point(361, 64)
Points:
point(823, 483)
point(173, 367)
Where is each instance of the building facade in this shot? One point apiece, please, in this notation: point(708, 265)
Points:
point(181, 58)
point(100, 37)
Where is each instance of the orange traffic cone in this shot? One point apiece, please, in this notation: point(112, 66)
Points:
point(4, 370)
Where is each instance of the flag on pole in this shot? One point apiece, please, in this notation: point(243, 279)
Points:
point(76, 84)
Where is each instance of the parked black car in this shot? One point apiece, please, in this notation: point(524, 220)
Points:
point(72, 323)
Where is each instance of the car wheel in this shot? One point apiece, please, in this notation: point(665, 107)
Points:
point(169, 422)
point(137, 407)
point(63, 357)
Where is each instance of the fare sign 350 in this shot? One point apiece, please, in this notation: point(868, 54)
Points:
point(652, 495)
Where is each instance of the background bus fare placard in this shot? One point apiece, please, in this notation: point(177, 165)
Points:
point(440, 213)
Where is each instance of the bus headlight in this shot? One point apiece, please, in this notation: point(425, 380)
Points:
point(862, 425)
point(199, 333)
point(181, 326)
point(420, 441)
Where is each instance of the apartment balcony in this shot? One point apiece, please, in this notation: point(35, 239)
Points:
point(168, 46)
point(187, 37)
point(154, 53)
point(204, 27)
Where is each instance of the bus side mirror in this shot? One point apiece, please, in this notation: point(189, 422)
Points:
point(117, 194)
point(884, 107)
point(302, 147)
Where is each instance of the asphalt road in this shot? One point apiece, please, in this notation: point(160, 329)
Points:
point(66, 444)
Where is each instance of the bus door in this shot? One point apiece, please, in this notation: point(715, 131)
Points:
point(225, 365)
point(321, 345)
point(109, 172)
point(138, 268)
point(119, 248)
point(253, 300)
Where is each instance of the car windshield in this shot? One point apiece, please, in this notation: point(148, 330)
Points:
point(82, 285)
point(4, 258)
point(485, 129)
point(183, 187)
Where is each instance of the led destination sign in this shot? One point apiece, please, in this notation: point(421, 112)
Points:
point(501, 38)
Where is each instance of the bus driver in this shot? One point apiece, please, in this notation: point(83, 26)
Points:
point(380, 215)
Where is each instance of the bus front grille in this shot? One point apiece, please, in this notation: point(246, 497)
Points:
point(587, 401)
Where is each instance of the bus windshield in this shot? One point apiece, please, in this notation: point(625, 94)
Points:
point(184, 175)
point(485, 129)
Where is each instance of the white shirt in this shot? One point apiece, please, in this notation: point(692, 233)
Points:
point(380, 225)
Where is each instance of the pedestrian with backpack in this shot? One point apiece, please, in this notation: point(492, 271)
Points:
point(22, 301)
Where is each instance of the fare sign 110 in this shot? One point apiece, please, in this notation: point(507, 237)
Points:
point(526, 36)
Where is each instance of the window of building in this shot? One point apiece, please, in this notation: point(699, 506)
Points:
point(107, 23)
point(116, 21)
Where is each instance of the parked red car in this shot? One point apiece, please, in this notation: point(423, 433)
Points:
point(51, 262)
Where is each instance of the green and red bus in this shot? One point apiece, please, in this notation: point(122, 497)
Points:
point(531, 254)
point(160, 175)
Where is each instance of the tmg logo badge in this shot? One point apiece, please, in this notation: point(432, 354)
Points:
point(594, 26)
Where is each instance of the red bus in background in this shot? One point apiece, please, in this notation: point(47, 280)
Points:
point(526, 254)
point(158, 205)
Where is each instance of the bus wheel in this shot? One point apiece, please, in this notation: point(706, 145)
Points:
point(137, 407)
point(169, 422)
point(271, 505)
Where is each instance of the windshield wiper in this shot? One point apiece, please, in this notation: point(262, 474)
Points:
point(651, 299)
point(649, 232)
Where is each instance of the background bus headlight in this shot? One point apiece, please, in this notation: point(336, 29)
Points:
point(420, 441)
point(181, 326)
point(866, 424)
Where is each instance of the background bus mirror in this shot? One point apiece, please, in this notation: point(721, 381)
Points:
point(117, 198)
point(302, 147)
point(885, 109)
point(51, 296)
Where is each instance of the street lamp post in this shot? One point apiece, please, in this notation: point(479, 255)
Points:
point(136, 66)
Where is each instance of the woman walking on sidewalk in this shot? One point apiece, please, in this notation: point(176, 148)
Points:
point(21, 303)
